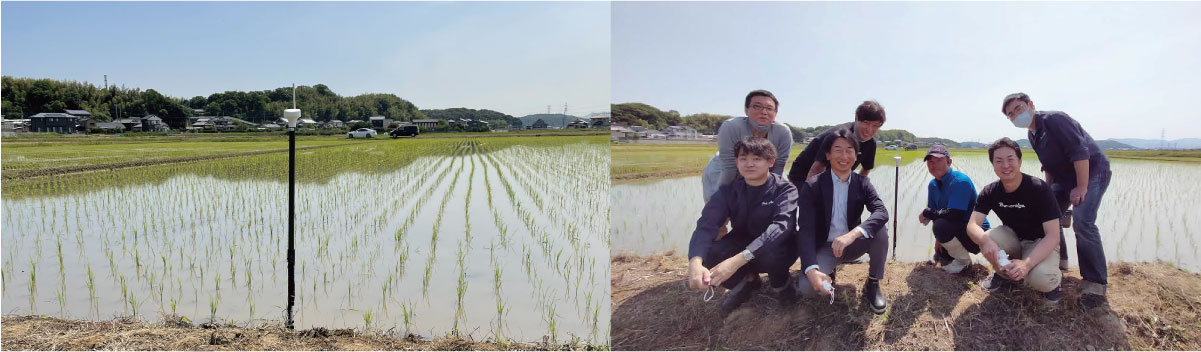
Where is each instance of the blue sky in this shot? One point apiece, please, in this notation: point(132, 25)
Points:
point(1124, 70)
point(515, 58)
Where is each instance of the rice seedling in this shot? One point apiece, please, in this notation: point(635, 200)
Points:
point(537, 191)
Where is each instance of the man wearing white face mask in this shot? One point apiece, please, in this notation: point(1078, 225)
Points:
point(1078, 171)
point(760, 121)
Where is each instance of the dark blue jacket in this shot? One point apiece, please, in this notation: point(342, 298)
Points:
point(1059, 140)
point(815, 199)
point(761, 216)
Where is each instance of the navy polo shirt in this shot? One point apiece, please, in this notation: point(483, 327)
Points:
point(1059, 140)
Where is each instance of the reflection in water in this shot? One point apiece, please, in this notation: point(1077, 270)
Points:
point(1145, 216)
point(488, 237)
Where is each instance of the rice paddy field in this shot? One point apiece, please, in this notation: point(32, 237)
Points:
point(498, 238)
point(1148, 212)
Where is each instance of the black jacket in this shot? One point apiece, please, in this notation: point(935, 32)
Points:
point(813, 220)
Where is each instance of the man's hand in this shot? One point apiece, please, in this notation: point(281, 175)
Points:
point(1077, 195)
point(841, 242)
point(816, 278)
point(698, 276)
point(1017, 269)
point(921, 217)
point(725, 269)
point(989, 249)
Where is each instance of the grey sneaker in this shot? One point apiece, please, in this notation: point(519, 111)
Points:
point(1052, 297)
point(996, 282)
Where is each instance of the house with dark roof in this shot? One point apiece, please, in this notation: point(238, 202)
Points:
point(152, 123)
point(53, 122)
point(79, 113)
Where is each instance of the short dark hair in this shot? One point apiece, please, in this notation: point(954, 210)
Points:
point(756, 146)
point(840, 133)
point(870, 110)
point(1015, 96)
point(760, 93)
point(1004, 142)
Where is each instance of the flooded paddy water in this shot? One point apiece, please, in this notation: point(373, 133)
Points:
point(483, 237)
point(1149, 211)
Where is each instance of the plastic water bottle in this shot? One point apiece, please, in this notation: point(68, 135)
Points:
point(1002, 258)
point(829, 287)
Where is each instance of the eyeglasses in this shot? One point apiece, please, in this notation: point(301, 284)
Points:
point(767, 108)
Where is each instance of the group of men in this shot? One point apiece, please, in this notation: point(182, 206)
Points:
point(815, 214)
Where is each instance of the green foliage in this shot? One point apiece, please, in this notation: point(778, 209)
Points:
point(28, 96)
point(496, 120)
point(704, 122)
point(639, 114)
point(23, 97)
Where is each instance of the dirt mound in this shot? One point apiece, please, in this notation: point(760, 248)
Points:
point(42, 333)
point(1151, 306)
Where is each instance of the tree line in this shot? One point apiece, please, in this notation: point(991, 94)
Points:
point(24, 97)
point(639, 114)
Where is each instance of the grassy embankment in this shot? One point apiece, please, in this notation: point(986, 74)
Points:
point(43, 333)
point(632, 162)
point(1151, 306)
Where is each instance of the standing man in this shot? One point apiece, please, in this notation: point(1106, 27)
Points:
point(869, 117)
point(1029, 233)
point(1079, 174)
point(760, 121)
point(830, 227)
point(951, 197)
point(762, 207)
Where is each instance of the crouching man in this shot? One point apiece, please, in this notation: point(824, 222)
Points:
point(1029, 231)
point(831, 205)
point(761, 206)
point(950, 199)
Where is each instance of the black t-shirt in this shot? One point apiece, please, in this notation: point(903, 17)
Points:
point(815, 151)
point(1024, 210)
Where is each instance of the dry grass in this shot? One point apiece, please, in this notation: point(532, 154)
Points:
point(1151, 306)
point(42, 333)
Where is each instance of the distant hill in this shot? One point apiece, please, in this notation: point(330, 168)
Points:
point(1105, 144)
point(552, 120)
point(1183, 143)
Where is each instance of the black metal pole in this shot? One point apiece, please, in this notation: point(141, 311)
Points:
point(291, 224)
point(896, 191)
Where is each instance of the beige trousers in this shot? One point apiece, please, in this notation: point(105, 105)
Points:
point(1044, 276)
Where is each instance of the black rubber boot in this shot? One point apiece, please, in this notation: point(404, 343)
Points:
point(874, 298)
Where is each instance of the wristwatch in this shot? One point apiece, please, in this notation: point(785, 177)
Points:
point(747, 255)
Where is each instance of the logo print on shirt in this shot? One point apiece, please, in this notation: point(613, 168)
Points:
point(1011, 206)
point(770, 202)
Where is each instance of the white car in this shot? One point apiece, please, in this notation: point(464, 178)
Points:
point(361, 133)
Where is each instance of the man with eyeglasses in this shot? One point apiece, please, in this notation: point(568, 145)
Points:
point(761, 107)
point(869, 117)
point(760, 121)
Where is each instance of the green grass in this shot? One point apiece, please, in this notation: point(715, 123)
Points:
point(1192, 156)
point(43, 152)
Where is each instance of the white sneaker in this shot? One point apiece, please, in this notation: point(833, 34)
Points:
point(956, 266)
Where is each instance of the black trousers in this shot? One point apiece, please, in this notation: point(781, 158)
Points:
point(773, 260)
point(947, 229)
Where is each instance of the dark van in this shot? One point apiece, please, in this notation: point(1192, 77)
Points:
point(408, 130)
